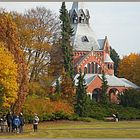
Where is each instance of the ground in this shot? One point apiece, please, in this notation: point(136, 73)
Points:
point(78, 129)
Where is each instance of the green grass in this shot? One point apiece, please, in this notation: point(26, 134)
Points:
point(77, 129)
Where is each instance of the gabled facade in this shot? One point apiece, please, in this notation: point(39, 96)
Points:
point(92, 56)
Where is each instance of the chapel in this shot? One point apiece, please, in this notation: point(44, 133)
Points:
point(92, 56)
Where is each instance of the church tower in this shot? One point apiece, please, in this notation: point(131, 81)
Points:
point(78, 15)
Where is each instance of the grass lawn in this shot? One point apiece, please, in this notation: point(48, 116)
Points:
point(77, 129)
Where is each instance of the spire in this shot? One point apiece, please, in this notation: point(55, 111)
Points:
point(78, 14)
point(75, 6)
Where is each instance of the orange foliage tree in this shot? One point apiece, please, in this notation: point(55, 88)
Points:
point(9, 36)
point(129, 68)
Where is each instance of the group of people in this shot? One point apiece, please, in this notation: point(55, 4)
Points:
point(12, 123)
point(15, 123)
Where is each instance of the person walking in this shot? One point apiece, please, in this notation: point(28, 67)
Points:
point(16, 123)
point(22, 122)
point(9, 119)
point(35, 122)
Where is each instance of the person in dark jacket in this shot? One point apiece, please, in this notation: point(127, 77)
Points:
point(9, 119)
point(16, 123)
point(22, 122)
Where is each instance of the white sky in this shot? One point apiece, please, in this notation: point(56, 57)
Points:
point(120, 22)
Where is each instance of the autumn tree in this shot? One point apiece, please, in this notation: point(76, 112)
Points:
point(9, 36)
point(129, 68)
point(137, 70)
point(8, 79)
point(116, 59)
point(66, 34)
point(38, 28)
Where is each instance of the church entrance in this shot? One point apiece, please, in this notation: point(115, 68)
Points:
point(96, 95)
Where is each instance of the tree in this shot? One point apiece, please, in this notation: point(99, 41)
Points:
point(58, 87)
point(130, 98)
point(129, 68)
point(137, 70)
point(82, 101)
point(39, 30)
point(9, 36)
point(116, 59)
point(56, 62)
point(8, 79)
point(66, 33)
point(67, 88)
point(104, 87)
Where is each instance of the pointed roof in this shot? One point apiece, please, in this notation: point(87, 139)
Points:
point(101, 43)
point(83, 30)
point(75, 5)
point(108, 59)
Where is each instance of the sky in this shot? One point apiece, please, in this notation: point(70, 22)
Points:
point(119, 21)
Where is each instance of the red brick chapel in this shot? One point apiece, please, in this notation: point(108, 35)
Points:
point(92, 56)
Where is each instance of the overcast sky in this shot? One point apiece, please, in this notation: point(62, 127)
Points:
point(120, 22)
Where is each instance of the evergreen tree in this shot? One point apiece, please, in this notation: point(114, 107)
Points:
point(104, 87)
point(58, 87)
point(116, 59)
point(67, 88)
point(83, 102)
point(66, 33)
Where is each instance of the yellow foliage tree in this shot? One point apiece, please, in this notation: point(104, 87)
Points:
point(10, 37)
point(8, 78)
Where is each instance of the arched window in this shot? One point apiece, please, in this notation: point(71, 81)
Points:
point(74, 18)
point(88, 67)
point(96, 95)
point(80, 19)
point(92, 67)
point(99, 70)
point(111, 66)
point(96, 68)
point(85, 69)
point(108, 66)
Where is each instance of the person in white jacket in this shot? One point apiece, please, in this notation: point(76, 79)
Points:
point(35, 123)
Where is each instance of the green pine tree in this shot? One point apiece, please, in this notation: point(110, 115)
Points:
point(116, 59)
point(58, 87)
point(66, 34)
point(83, 102)
point(104, 87)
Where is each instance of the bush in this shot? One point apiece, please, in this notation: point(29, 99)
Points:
point(46, 109)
